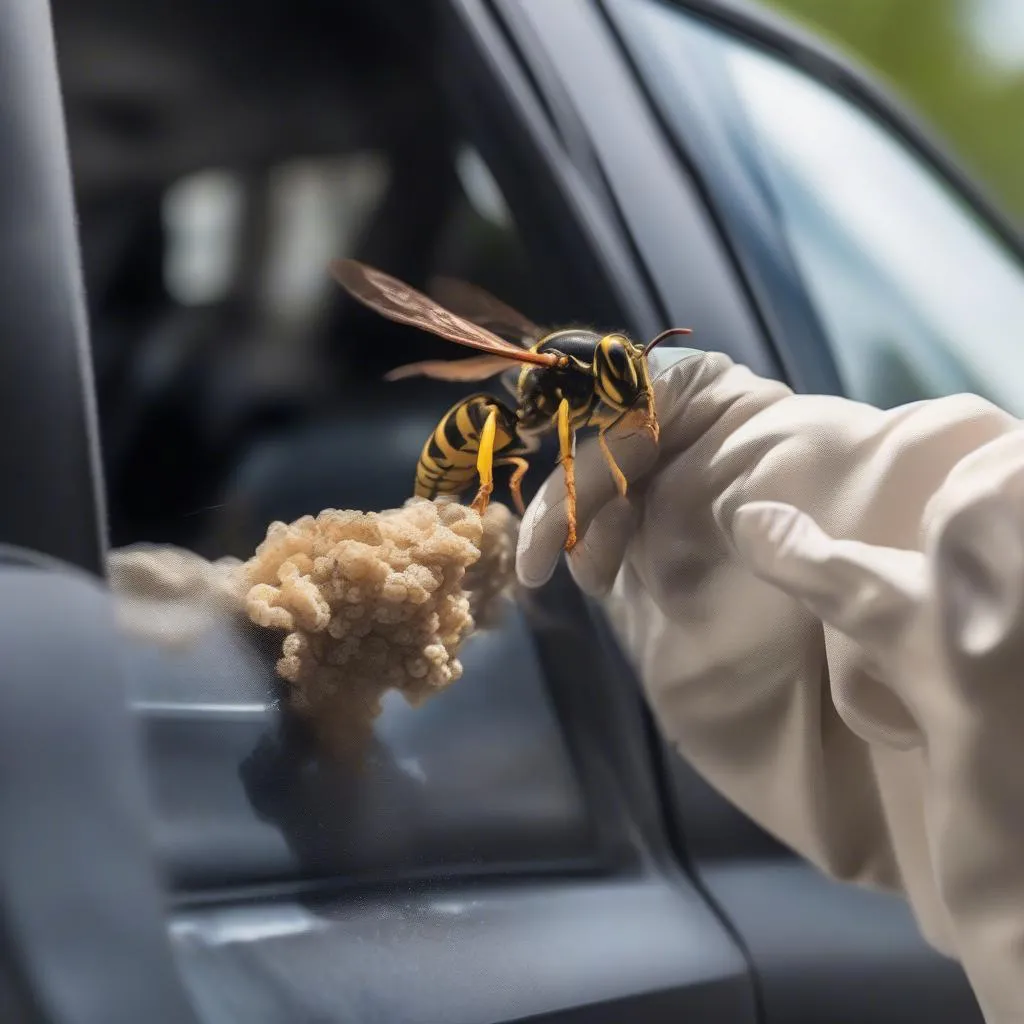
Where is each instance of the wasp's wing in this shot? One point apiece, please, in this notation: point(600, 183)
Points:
point(405, 305)
point(482, 308)
point(474, 368)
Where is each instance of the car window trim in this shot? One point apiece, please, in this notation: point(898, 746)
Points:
point(701, 125)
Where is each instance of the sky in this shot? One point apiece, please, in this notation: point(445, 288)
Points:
point(998, 29)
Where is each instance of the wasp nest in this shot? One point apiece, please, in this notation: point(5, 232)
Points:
point(376, 601)
point(169, 595)
point(489, 577)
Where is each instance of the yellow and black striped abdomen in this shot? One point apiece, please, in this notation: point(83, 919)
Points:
point(447, 465)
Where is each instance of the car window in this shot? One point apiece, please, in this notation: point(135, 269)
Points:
point(239, 794)
point(918, 298)
point(238, 386)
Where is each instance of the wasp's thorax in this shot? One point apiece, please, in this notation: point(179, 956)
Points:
point(604, 378)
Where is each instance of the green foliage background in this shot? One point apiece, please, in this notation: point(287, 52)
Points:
point(924, 49)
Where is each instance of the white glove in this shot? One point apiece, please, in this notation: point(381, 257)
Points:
point(853, 696)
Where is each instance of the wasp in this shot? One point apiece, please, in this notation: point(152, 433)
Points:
point(566, 380)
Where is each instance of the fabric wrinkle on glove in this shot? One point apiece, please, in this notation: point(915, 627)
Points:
point(809, 590)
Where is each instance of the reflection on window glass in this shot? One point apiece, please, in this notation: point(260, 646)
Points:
point(480, 187)
point(909, 285)
point(918, 299)
point(318, 209)
point(997, 28)
point(202, 216)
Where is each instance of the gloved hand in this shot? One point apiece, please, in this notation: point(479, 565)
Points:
point(770, 651)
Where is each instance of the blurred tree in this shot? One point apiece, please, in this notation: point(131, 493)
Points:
point(934, 53)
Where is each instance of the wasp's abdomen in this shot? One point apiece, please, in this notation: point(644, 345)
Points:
point(447, 465)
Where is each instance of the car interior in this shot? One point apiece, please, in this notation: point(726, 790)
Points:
point(261, 152)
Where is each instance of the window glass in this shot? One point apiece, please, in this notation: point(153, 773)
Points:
point(202, 216)
point(240, 794)
point(240, 386)
point(918, 298)
point(318, 210)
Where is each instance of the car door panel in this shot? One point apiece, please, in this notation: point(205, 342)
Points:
point(617, 949)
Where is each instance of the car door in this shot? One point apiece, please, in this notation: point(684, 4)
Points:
point(523, 848)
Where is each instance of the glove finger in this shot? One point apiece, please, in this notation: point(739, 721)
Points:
point(597, 558)
point(545, 527)
point(863, 590)
point(868, 593)
point(661, 360)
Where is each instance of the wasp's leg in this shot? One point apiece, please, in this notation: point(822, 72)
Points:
point(653, 427)
point(566, 439)
point(515, 481)
point(485, 462)
point(619, 476)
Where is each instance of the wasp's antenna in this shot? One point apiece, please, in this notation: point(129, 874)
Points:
point(666, 334)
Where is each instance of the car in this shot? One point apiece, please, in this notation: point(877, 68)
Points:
point(180, 369)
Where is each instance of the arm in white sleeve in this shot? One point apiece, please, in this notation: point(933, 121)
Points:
point(778, 573)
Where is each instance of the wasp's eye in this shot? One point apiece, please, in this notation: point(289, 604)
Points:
point(615, 373)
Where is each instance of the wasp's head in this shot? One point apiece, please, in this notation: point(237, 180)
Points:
point(620, 372)
point(622, 380)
